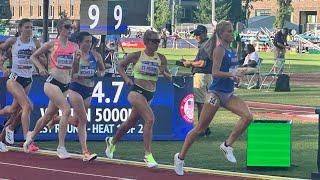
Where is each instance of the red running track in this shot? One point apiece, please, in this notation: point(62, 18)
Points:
point(19, 165)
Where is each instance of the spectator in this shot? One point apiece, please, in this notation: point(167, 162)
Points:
point(76, 30)
point(164, 38)
point(114, 40)
point(280, 42)
point(251, 60)
point(175, 38)
point(111, 60)
point(201, 69)
point(186, 34)
point(139, 34)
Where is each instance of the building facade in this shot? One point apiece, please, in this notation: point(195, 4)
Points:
point(33, 9)
point(305, 12)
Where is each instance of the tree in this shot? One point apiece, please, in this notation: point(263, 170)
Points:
point(3, 22)
point(225, 10)
point(177, 13)
point(161, 13)
point(247, 7)
point(203, 13)
point(284, 9)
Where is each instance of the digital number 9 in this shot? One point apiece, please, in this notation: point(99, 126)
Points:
point(117, 14)
point(95, 17)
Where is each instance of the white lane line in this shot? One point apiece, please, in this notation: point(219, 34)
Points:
point(280, 110)
point(70, 172)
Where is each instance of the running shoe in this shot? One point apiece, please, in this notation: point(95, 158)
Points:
point(151, 163)
point(228, 152)
point(9, 136)
point(178, 165)
point(88, 156)
point(27, 142)
point(32, 147)
point(3, 147)
point(110, 147)
point(62, 153)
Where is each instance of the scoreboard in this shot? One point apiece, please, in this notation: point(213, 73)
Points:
point(103, 17)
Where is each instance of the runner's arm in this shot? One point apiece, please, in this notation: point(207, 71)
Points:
point(35, 57)
point(164, 68)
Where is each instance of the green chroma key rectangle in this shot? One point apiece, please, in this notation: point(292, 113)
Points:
point(269, 143)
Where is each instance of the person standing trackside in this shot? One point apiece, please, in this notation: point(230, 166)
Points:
point(201, 70)
point(280, 42)
point(164, 38)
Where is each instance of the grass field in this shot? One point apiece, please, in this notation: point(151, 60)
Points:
point(205, 152)
point(299, 63)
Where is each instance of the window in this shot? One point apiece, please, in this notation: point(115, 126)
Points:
point(312, 19)
point(71, 7)
point(12, 10)
point(20, 8)
point(71, 10)
point(182, 12)
point(31, 10)
point(39, 11)
point(51, 8)
point(31, 7)
point(40, 3)
point(60, 7)
point(263, 12)
point(20, 11)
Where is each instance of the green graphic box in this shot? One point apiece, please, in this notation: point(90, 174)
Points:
point(269, 143)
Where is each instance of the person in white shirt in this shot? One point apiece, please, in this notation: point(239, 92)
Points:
point(251, 60)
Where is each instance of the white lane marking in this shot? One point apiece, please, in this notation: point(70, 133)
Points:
point(57, 170)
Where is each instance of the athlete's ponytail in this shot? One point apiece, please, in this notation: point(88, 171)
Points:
point(210, 45)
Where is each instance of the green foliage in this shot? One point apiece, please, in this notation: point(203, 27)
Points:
point(203, 13)
point(161, 13)
point(284, 9)
point(177, 12)
point(3, 22)
point(225, 10)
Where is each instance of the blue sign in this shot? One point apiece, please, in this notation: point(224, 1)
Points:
point(2, 97)
point(172, 106)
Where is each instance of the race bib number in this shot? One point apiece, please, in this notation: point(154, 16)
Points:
point(65, 61)
point(86, 71)
point(149, 68)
